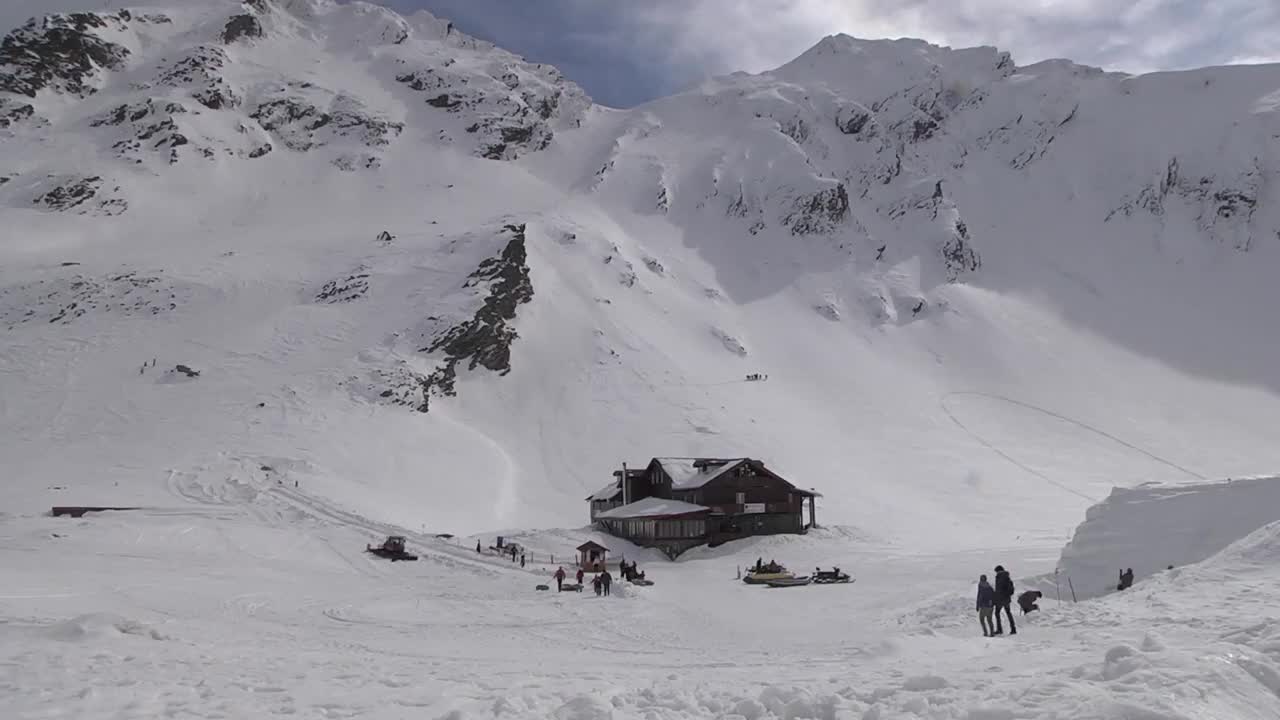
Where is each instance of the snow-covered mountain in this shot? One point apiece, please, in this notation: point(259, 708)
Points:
point(432, 282)
point(286, 275)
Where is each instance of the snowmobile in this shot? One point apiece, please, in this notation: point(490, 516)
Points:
point(392, 548)
point(831, 577)
point(772, 571)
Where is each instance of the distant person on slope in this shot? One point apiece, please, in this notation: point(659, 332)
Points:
point(1004, 596)
point(1126, 579)
point(986, 601)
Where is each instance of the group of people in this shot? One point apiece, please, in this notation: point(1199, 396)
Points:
point(629, 571)
point(602, 582)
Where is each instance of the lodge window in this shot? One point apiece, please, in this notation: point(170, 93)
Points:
point(741, 498)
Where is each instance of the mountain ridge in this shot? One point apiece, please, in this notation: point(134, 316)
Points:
point(350, 216)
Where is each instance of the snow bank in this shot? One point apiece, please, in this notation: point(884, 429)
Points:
point(1150, 527)
point(99, 626)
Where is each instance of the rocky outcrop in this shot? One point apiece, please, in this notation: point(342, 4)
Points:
point(241, 27)
point(300, 123)
point(818, 213)
point(149, 127)
point(69, 193)
point(353, 286)
point(485, 339)
point(958, 255)
point(12, 113)
point(60, 53)
point(63, 300)
point(1224, 207)
point(201, 73)
point(506, 111)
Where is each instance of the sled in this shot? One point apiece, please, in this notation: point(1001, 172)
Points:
point(392, 549)
point(542, 587)
point(570, 587)
point(642, 582)
point(753, 578)
point(790, 582)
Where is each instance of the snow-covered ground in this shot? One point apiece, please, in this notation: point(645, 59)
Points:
point(983, 295)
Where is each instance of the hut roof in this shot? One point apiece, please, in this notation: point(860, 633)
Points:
point(591, 545)
point(608, 492)
point(652, 507)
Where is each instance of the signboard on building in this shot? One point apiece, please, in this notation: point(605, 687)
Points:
point(752, 508)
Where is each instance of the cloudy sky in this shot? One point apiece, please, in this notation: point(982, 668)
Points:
point(628, 51)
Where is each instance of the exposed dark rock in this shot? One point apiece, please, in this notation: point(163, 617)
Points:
point(386, 238)
point(923, 129)
point(12, 113)
point(187, 371)
point(259, 151)
point(820, 212)
point(201, 72)
point(485, 339)
point(352, 287)
point(59, 52)
point(958, 256)
point(241, 26)
point(297, 122)
point(151, 126)
point(70, 194)
point(63, 300)
point(443, 100)
point(854, 121)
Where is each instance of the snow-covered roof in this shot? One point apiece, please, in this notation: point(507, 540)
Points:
point(651, 507)
point(608, 492)
point(685, 476)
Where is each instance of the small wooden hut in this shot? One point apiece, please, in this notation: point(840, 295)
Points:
point(592, 556)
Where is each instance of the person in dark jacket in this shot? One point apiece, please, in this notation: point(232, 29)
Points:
point(1027, 601)
point(1004, 596)
point(606, 581)
point(559, 576)
point(986, 601)
point(1126, 579)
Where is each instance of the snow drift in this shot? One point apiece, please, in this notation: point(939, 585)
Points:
point(1151, 527)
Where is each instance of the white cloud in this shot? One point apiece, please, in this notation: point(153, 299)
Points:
point(1133, 35)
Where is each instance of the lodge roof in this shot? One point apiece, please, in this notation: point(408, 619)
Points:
point(652, 507)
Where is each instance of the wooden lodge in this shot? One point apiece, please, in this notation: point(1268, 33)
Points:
point(678, 503)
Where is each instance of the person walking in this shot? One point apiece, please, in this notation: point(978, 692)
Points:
point(986, 602)
point(559, 579)
point(1004, 596)
point(606, 580)
point(522, 560)
point(477, 547)
point(581, 575)
point(596, 583)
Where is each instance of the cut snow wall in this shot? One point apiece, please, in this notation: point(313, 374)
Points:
point(1150, 527)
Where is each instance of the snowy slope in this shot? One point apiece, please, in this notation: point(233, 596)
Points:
point(1152, 527)
point(970, 284)
point(394, 279)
